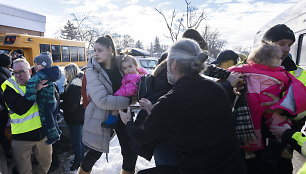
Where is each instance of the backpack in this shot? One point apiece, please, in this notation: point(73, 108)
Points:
point(145, 86)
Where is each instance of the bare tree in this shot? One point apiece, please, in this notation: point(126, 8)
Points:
point(123, 41)
point(215, 44)
point(192, 18)
point(87, 29)
point(244, 50)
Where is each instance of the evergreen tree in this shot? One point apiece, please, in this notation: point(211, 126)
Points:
point(69, 32)
point(156, 47)
point(139, 44)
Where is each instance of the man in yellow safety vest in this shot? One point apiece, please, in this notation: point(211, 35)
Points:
point(25, 122)
point(283, 36)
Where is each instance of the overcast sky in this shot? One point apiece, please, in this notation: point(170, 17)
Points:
point(236, 20)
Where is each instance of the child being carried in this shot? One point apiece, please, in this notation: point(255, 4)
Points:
point(128, 88)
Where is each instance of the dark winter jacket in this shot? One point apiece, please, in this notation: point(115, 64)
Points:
point(45, 95)
point(289, 64)
point(71, 105)
point(199, 131)
point(4, 75)
point(161, 86)
point(46, 100)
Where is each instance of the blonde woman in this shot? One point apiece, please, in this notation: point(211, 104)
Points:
point(74, 111)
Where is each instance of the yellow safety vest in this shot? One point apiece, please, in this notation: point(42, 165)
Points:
point(300, 74)
point(28, 121)
point(302, 170)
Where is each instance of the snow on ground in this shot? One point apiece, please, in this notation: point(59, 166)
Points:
point(115, 161)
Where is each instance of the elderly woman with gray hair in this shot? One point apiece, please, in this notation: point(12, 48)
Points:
point(189, 117)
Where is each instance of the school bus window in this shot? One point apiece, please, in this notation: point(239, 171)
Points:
point(81, 51)
point(44, 47)
point(65, 54)
point(56, 53)
point(74, 54)
point(302, 56)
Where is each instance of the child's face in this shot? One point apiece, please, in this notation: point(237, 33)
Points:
point(38, 67)
point(277, 61)
point(128, 67)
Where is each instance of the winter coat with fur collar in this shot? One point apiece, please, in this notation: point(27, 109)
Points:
point(72, 104)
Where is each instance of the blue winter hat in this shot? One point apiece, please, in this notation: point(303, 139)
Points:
point(44, 59)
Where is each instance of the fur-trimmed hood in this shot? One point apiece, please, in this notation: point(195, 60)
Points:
point(77, 81)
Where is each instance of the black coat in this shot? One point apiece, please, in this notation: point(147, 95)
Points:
point(160, 87)
point(71, 105)
point(195, 116)
point(4, 75)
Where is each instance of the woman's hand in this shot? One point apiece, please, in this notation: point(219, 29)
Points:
point(274, 98)
point(235, 79)
point(278, 131)
point(41, 85)
point(125, 116)
point(146, 105)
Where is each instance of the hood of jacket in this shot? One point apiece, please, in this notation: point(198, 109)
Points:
point(53, 73)
point(160, 68)
point(5, 72)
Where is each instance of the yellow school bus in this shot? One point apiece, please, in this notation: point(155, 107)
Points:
point(63, 51)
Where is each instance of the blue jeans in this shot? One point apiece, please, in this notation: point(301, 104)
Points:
point(75, 132)
point(164, 155)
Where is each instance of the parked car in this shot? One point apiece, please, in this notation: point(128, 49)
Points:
point(147, 63)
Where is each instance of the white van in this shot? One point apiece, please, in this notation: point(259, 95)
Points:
point(295, 19)
point(147, 63)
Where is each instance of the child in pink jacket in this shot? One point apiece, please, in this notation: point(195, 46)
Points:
point(264, 73)
point(128, 86)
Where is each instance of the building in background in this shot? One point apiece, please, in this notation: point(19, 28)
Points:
point(15, 20)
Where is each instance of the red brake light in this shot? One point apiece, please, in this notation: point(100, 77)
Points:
point(9, 40)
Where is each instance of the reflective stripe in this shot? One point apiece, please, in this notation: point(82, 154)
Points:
point(14, 83)
point(29, 117)
point(303, 149)
point(298, 72)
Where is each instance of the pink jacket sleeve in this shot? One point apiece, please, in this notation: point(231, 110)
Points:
point(128, 85)
point(142, 70)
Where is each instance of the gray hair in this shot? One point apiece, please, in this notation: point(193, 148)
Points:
point(24, 61)
point(189, 56)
